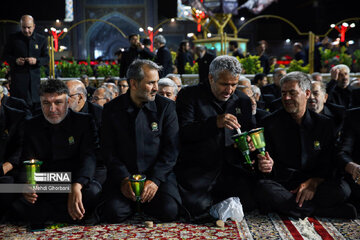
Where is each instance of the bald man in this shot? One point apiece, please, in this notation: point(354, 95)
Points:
point(26, 51)
point(78, 101)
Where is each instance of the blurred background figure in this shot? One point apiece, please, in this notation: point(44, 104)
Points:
point(176, 79)
point(204, 59)
point(183, 57)
point(235, 50)
point(316, 76)
point(260, 80)
point(89, 89)
point(299, 53)
point(123, 86)
point(101, 96)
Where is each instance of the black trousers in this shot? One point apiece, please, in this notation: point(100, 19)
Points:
point(6, 198)
point(198, 200)
point(117, 207)
point(53, 206)
point(273, 196)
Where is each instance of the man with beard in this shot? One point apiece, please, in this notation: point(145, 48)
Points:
point(26, 52)
point(65, 141)
point(318, 103)
point(300, 152)
point(140, 136)
point(338, 88)
point(210, 169)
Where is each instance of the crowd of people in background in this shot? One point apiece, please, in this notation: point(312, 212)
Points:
point(180, 137)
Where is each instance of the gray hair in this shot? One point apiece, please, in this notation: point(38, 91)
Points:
point(107, 92)
point(161, 39)
point(322, 85)
point(256, 89)
point(114, 87)
point(301, 78)
point(277, 70)
point(136, 71)
point(80, 88)
point(342, 67)
point(224, 63)
point(167, 82)
point(200, 48)
point(243, 78)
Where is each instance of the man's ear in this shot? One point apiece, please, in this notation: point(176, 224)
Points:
point(133, 84)
point(308, 93)
point(325, 97)
point(211, 79)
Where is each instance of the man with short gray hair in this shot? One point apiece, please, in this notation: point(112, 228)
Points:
point(163, 55)
point(168, 88)
point(209, 116)
point(140, 136)
point(301, 143)
point(338, 88)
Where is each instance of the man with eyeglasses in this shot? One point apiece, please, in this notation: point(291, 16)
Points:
point(101, 96)
point(123, 86)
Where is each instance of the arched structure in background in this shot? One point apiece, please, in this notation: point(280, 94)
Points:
point(104, 40)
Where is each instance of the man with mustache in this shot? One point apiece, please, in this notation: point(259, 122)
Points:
point(65, 141)
point(210, 169)
point(339, 89)
point(140, 136)
point(318, 103)
point(300, 152)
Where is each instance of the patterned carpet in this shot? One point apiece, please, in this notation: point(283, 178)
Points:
point(254, 226)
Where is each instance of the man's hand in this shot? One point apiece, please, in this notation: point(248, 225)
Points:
point(76, 209)
point(7, 167)
point(126, 189)
point(150, 189)
point(354, 170)
point(20, 61)
point(334, 74)
point(227, 120)
point(265, 163)
point(31, 197)
point(31, 60)
point(306, 190)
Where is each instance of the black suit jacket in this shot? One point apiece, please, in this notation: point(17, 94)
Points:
point(205, 148)
point(204, 64)
point(65, 147)
point(337, 114)
point(95, 111)
point(127, 58)
point(355, 98)
point(181, 59)
point(163, 58)
point(271, 89)
point(340, 96)
point(16, 103)
point(147, 54)
point(260, 115)
point(350, 139)
point(10, 142)
point(299, 152)
point(141, 140)
point(25, 80)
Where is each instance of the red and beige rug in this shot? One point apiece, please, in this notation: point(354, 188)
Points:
point(254, 226)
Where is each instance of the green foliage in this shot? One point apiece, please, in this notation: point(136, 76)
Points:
point(297, 66)
point(330, 58)
point(108, 70)
point(191, 69)
point(3, 70)
point(356, 55)
point(69, 69)
point(251, 64)
point(173, 56)
point(86, 69)
point(43, 71)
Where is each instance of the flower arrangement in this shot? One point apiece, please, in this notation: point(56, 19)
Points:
point(330, 58)
point(4, 69)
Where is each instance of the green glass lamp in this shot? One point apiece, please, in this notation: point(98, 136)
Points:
point(242, 145)
point(137, 184)
point(32, 166)
point(257, 136)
